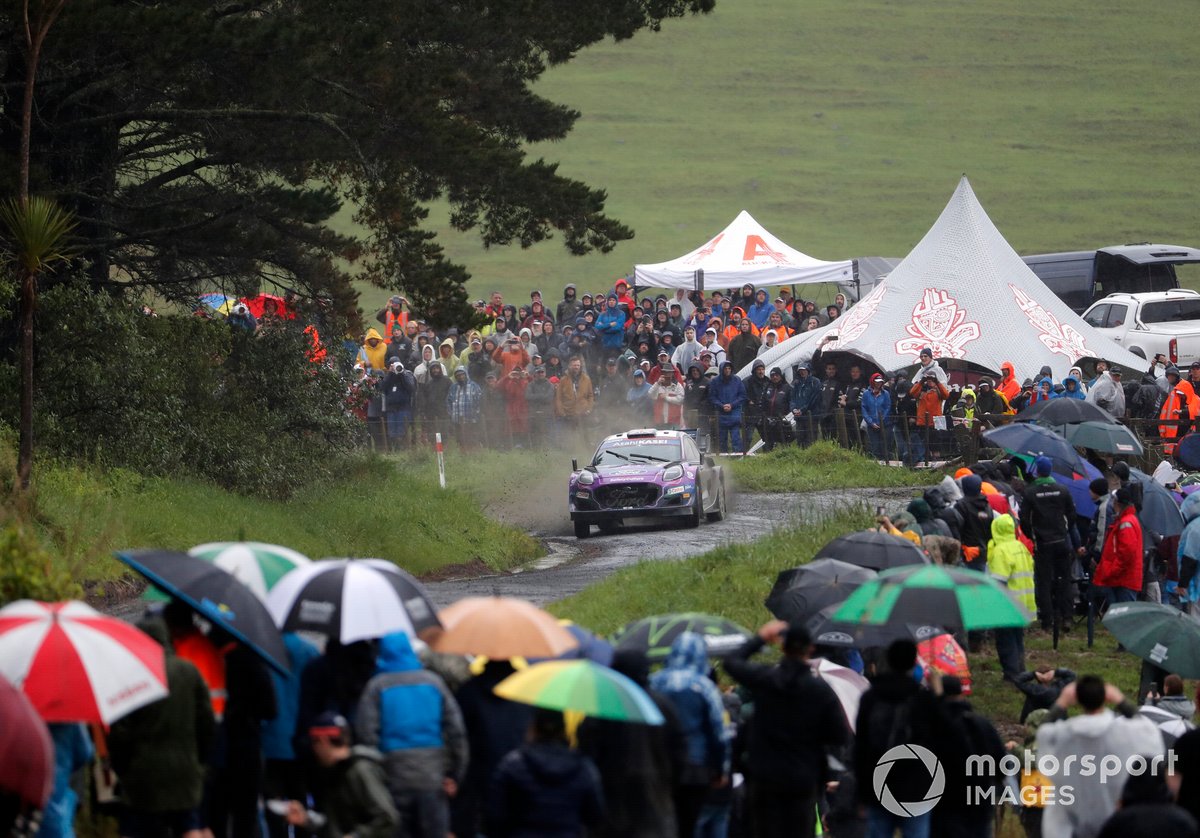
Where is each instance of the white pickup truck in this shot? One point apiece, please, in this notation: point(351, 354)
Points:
point(1159, 321)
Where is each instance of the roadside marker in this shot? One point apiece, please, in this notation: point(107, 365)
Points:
point(441, 460)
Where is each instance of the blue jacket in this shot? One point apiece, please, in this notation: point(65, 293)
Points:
point(806, 393)
point(408, 715)
point(1069, 393)
point(759, 313)
point(611, 327)
point(684, 680)
point(72, 750)
point(731, 391)
point(877, 410)
point(278, 734)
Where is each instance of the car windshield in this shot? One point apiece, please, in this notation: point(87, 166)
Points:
point(1171, 311)
point(638, 451)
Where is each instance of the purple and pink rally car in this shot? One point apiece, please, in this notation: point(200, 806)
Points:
point(645, 474)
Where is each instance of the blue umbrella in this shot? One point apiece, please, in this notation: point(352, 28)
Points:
point(1078, 487)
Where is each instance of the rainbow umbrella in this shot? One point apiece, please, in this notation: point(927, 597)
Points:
point(582, 687)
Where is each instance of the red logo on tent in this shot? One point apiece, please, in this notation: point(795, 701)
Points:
point(706, 251)
point(756, 248)
point(938, 322)
point(858, 318)
point(1059, 337)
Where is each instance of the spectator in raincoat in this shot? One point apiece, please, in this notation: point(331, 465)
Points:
point(990, 402)
point(1009, 386)
point(1180, 404)
point(744, 347)
point(684, 682)
point(610, 325)
point(399, 389)
point(574, 396)
point(569, 307)
point(806, 399)
point(687, 352)
point(877, 414)
point(728, 395)
point(1072, 389)
point(1120, 567)
point(761, 310)
point(775, 406)
point(510, 356)
point(373, 355)
point(667, 395)
point(463, 402)
point(1108, 394)
point(1010, 563)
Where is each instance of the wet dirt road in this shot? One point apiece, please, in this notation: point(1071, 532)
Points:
point(571, 564)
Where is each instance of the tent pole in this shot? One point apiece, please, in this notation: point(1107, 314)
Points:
point(700, 280)
point(857, 283)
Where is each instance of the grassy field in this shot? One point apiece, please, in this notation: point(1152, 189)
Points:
point(378, 508)
point(821, 466)
point(844, 129)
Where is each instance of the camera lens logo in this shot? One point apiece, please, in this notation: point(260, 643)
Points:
point(906, 754)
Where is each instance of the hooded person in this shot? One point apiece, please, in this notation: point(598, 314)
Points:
point(743, 348)
point(709, 342)
point(621, 291)
point(761, 309)
point(1188, 554)
point(431, 400)
point(566, 310)
point(775, 406)
point(1011, 564)
point(685, 683)
point(464, 403)
point(399, 390)
point(746, 297)
point(976, 529)
point(428, 359)
point(1107, 393)
point(610, 325)
point(374, 352)
point(408, 714)
point(990, 402)
point(806, 400)
point(667, 396)
point(1048, 517)
point(1072, 389)
point(1009, 385)
point(731, 331)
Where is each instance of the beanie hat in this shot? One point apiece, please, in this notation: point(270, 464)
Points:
point(1042, 466)
point(972, 485)
point(1099, 486)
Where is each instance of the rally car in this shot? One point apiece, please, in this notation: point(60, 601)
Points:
point(646, 474)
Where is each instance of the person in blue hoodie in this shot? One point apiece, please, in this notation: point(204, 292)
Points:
point(1071, 389)
point(697, 701)
point(284, 774)
point(806, 397)
point(877, 414)
point(409, 715)
point(728, 394)
point(761, 310)
point(610, 325)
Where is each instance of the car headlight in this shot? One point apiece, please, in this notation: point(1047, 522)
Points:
point(587, 478)
point(673, 473)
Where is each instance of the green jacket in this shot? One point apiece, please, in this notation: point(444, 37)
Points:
point(1010, 563)
point(358, 802)
point(158, 751)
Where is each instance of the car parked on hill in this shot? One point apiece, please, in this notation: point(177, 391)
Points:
point(1161, 321)
point(646, 473)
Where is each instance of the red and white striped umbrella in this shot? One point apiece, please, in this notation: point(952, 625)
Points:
point(76, 665)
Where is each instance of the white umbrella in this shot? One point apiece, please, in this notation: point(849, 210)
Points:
point(351, 599)
point(847, 685)
point(256, 565)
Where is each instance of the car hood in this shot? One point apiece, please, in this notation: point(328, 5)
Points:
point(630, 472)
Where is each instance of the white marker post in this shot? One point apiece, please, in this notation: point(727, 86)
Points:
point(441, 460)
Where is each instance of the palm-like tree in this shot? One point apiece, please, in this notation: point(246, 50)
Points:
point(38, 230)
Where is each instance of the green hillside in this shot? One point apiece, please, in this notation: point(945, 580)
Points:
point(844, 128)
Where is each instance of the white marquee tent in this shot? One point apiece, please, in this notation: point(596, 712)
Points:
point(744, 252)
point(966, 294)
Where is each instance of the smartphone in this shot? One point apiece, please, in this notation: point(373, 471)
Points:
point(878, 511)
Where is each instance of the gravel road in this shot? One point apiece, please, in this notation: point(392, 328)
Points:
point(572, 564)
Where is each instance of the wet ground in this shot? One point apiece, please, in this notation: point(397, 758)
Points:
point(572, 564)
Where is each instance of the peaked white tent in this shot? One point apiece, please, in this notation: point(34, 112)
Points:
point(744, 252)
point(964, 293)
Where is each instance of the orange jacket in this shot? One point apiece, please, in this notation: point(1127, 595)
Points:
point(1008, 387)
point(782, 333)
point(1180, 403)
point(198, 650)
point(929, 402)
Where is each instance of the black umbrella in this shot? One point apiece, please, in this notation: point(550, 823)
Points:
point(1159, 511)
point(1055, 412)
point(654, 635)
point(827, 631)
point(873, 549)
point(217, 596)
point(801, 592)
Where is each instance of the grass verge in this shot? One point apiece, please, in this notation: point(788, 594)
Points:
point(821, 466)
point(374, 508)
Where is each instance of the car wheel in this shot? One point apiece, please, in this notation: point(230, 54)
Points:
point(582, 530)
point(718, 514)
point(693, 520)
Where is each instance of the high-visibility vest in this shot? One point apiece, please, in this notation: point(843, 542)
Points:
point(1180, 403)
point(203, 654)
point(392, 320)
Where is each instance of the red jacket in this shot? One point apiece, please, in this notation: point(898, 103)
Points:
point(1121, 562)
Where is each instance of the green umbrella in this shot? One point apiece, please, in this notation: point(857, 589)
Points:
point(583, 687)
point(256, 565)
point(654, 635)
point(1164, 636)
point(1102, 436)
point(957, 599)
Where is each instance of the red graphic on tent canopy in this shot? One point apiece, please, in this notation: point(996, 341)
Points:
point(939, 323)
point(756, 249)
point(1057, 336)
point(706, 251)
point(855, 322)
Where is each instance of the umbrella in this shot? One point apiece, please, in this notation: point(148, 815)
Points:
point(500, 628)
point(1077, 485)
point(1102, 436)
point(956, 598)
point(1030, 440)
point(1169, 724)
point(801, 592)
point(76, 665)
point(1159, 511)
point(583, 687)
point(846, 684)
point(26, 751)
point(1160, 634)
point(945, 655)
point(256, 565)
point(826, 631)
point(591, 647)
point(1063, 412)
point(654, 635)
point(351, 599)
point(215, 595)
point(874, 550)
point(257, 305)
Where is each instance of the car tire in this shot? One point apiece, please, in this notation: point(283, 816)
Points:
point(718, 514)
point(693, 520)
point(582, 530)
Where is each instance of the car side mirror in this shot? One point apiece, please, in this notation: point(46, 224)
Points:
point(574, 464)
point(709, 461)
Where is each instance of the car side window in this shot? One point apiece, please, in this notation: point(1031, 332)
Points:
point(1116, 316)
point(1096, 316)
point(690, 451)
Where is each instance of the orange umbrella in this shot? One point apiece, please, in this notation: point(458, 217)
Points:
point(943, 652)
point(500, 628)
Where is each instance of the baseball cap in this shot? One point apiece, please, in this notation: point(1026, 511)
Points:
point(639, 374)
point(877, 377)
point(329, 724)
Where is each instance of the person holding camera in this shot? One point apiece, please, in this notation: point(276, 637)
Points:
point(930, 392)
